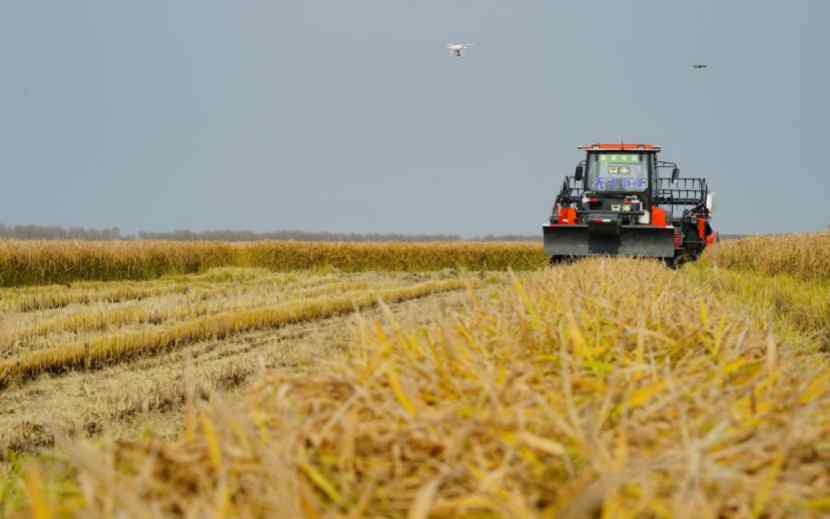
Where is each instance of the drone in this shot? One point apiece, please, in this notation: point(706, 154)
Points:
point(699, 66)
point(457, 49)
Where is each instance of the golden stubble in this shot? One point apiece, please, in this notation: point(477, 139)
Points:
point(132, 393)
point(602, 389)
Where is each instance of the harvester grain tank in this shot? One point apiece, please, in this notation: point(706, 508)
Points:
point(618, 204)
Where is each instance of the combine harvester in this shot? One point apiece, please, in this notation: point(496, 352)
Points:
point(617, 204)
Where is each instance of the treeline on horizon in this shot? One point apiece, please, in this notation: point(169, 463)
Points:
point(53, 232)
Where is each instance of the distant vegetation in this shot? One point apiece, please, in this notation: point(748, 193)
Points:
point(239, 236)
point(52, 232)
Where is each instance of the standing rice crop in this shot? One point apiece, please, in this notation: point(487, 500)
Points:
point(50, 262)
point(402, 256)
point(805, 255)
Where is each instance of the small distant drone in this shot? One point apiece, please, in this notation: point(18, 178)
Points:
point(699, 66)
point(457, 49)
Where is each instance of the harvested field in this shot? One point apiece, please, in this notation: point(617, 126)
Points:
point(150, 336)
point(133, 394)
point(606, 388)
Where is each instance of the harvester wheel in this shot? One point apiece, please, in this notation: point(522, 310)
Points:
point(561, 260)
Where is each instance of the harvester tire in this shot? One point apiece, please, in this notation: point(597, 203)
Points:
point(561, 260)
point(672, 263)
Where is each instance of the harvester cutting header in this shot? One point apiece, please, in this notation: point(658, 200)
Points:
point(616, 203)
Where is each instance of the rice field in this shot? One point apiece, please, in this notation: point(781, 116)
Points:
point(804, 255)
point(99, 329)
point(606, 388)
point(25, 263)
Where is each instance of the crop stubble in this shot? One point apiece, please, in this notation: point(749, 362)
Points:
point(610, 387)
point(288, 319)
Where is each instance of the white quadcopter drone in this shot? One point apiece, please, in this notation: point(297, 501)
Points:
point(457, 49)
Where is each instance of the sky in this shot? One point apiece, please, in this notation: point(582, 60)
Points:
point(325, 115)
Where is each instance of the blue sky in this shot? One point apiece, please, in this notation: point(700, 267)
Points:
point(351, 116)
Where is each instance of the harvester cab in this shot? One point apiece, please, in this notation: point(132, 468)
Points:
point(617, 203)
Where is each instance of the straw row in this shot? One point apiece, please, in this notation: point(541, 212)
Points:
point(111, 349)
point(176, 310)
point(36, 298)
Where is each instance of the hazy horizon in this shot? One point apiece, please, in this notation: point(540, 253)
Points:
point(351, 117)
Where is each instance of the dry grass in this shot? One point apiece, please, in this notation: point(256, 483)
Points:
point(54, 262)
point(803, 255)
point(192, 305)
point(49, 297)
point(16, 300)
point(607, 388)
point(229, 318)
point(798, 308)
point(191, 324)
point(145, 395)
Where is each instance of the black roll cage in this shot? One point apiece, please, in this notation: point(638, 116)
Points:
point(683, 197)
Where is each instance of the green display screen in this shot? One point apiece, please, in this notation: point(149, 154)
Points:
point(626, 158)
